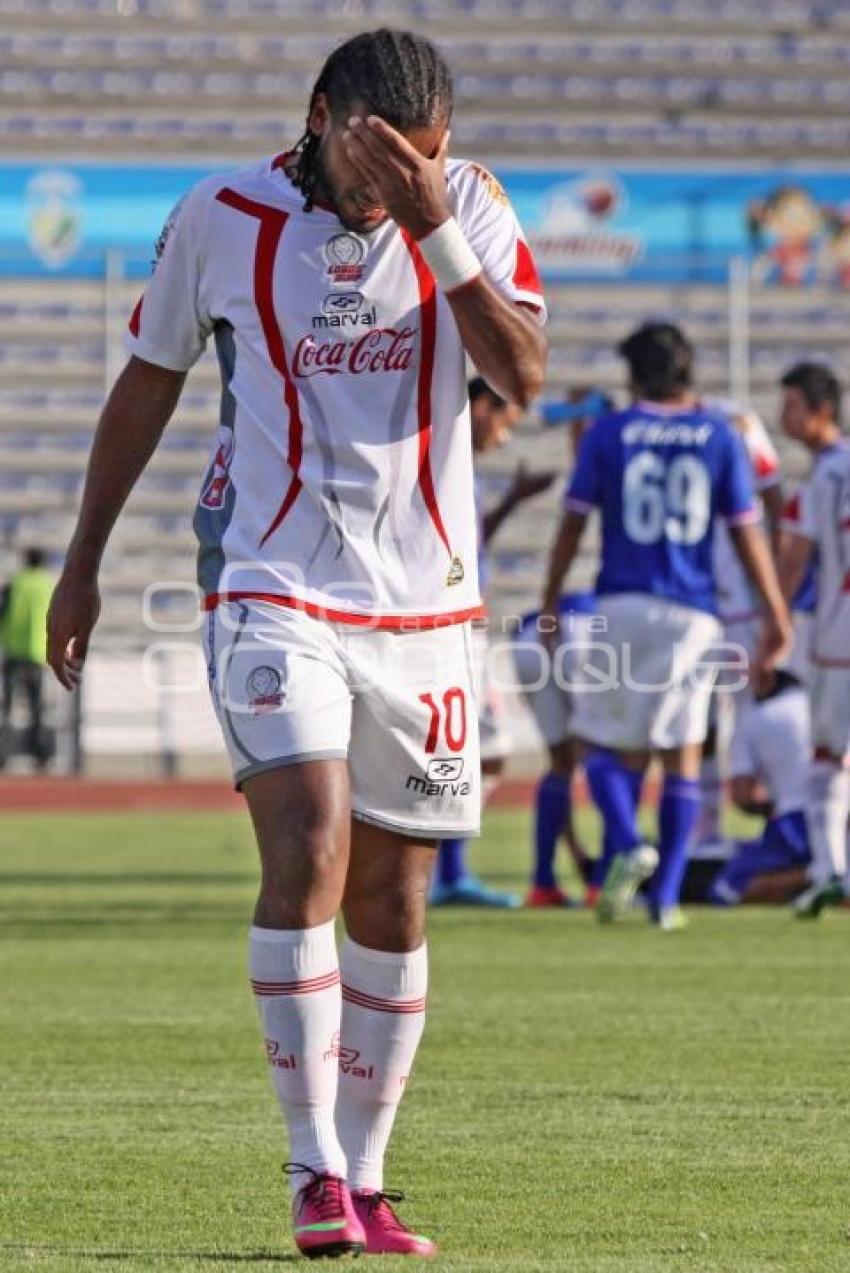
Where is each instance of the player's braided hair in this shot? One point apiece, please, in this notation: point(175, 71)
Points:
point(395, 74)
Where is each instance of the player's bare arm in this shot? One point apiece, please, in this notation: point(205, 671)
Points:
point(131, 424)
point(752, 548)
point(773, 503)
point(564, 551)
point(794, 559)
point(501, 337)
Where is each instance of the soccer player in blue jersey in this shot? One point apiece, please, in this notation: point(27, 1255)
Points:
point(661, 473)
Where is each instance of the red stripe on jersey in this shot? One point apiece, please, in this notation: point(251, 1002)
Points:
point(379, 622)
point(136, 317)
point(272, 222)
point(526, 278)
point(428, 310)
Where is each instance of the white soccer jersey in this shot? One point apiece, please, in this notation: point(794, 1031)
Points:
point(735, 601)
point(341, 478)
point(820, 512)
point(772, 742)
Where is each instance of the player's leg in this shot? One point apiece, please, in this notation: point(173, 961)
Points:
point(549, 703)
point(384, 968)
point(10, 677)
point(828, 794)
point(687, 641)
point(677, 819)
point(415, 777)
point(769, 869)
point(453, 882)
point(553, 818)
point(283, 703)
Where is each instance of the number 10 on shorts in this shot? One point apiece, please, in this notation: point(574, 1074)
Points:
point(450, 718)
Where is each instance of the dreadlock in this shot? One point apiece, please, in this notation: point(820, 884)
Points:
point(395, 74)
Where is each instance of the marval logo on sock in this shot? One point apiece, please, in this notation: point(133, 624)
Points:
point(347, 1058)
point(277, 1059)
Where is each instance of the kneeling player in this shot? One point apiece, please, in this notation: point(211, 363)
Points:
point(661, 473)
point(767, 771)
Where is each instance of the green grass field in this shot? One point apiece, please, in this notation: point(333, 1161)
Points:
point(585, 1099)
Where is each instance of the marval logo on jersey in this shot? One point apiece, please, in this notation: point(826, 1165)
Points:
point(345, 309)
point(443, 778)
point(379, 349)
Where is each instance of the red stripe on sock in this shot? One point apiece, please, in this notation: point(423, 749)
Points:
point(306, 987)
point(374, 1004)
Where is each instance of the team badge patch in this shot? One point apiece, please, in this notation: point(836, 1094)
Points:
point(455, 574)
point(264, 689)
point(344, 256)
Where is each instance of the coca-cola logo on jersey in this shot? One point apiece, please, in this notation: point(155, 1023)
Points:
point(382, 349)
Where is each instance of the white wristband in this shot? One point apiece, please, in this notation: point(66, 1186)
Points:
point(449, 257)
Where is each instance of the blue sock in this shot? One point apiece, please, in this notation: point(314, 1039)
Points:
point(550, 813)
point(451, 861)
point(677, 819)
point(615, 790)
point(602, 864)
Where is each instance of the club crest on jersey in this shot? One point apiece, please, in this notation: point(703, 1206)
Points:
point(215, 487)
point(344, 255)
point(455, 574)
point(264, 689)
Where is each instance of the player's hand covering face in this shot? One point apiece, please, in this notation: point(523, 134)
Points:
point(403, 177)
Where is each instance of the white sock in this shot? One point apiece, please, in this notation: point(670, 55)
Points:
point(827, 810)
point(383, 1015)
point(711, 793)
point(295, 979)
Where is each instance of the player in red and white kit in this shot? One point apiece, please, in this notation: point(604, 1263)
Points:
point(817, 527)
point(344, 284)
point(737, 608)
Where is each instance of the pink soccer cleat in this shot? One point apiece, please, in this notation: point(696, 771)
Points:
point(385, 1233)
point(323, 1216)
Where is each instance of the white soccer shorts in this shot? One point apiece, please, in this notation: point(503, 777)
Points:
point(829, 688)
point(646, 681)
point(399, 706)
point(545, 680)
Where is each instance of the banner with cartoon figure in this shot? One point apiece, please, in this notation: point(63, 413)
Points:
point(584, 223)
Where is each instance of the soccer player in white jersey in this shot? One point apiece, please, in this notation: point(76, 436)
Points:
point(344, 283)
point(737, 608)
point(817, 526)
point(662, 472)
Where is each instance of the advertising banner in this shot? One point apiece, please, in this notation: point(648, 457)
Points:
point(585, 223)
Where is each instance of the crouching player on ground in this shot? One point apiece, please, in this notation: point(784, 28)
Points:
point(338, 565)
point(662, 472)
point(768, 757)
point(817, 525)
